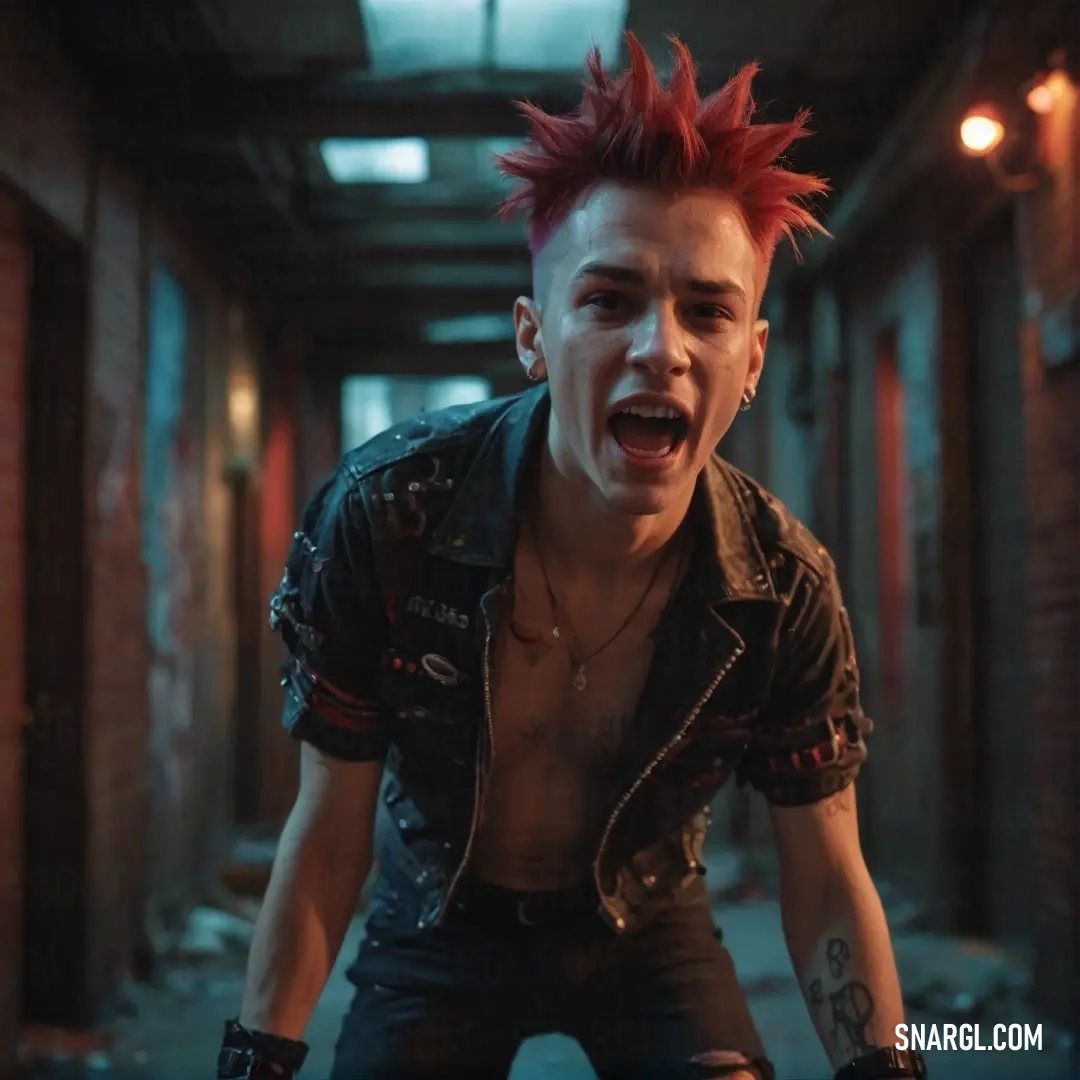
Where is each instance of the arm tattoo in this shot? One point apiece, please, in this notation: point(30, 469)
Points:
point(838, 954)
point(817, 995)
point(852, 1011)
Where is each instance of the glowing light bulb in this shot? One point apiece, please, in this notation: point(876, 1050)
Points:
point(1040, 98)
point(981, 131)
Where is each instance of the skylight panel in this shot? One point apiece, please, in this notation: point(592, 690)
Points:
point(408, 37)
point(376, 161)
point(555, 35)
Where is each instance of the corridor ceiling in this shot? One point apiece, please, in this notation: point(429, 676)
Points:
point(341, 149)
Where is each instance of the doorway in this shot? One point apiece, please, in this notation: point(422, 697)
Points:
point(1000, 755)
point(893, 531)
point(55, 986)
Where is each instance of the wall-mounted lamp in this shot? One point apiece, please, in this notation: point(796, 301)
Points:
point(983, 135)
point(1049, 87)
point(1039, 96)
point(243, 400)
point(984, 132)
point(242, 396)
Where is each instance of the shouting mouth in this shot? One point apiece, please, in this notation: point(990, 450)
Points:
point(649, 433)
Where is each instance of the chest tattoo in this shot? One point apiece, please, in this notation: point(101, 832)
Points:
point(597, 745)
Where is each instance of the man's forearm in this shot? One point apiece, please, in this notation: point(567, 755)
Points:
point(309, 903)
point(844, 961)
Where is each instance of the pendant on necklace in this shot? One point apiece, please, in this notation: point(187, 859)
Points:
point(579, 682)
point(555, 632)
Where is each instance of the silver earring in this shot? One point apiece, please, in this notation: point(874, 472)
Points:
point(747, 399)
point(531, 375)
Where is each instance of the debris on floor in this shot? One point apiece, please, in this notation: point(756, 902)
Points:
point(41, 1047)
point(171, 1030)
point(212, 932)
point(957, 978)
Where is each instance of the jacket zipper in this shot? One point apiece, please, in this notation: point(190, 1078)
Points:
point(651, 767)
point(480, 748)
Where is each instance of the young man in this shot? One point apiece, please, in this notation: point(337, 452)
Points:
point(560, 623)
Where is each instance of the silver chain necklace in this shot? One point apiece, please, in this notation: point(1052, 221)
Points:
point(578, 678)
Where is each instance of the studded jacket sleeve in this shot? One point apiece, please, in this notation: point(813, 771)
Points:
point(808, 741)
point(327, 611)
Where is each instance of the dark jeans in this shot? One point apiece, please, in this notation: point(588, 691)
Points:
point(458, 1001)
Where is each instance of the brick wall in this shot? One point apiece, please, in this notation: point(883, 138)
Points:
point(1050, 235)
point(116, 707)
point(1053, 406)
point(904, 274)
point(13, 314)
point(48, 156)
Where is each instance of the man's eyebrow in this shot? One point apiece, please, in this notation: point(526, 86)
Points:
point(612, 272)
point(629, 276)
point(717, 288)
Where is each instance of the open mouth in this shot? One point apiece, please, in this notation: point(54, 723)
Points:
point(649, 431)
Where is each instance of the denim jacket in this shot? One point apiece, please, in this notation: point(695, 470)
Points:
point(391, 597)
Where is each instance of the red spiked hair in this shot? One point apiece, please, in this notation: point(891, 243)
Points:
point(633, 129)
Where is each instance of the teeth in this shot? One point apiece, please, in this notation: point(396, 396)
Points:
point(653, 412)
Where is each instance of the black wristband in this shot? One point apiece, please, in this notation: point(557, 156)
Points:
point(254, 1055)
point(885, 1063)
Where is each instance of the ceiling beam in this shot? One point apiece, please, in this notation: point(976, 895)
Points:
point(382, 275)
point(394, 310)
point(331, 206)
point(449, 231)
point(350, 202)
point(348, 246)
point(187, 111)
point(195, 110)
point(373, 217)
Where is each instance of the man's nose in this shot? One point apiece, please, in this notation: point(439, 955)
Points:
point(658, 343)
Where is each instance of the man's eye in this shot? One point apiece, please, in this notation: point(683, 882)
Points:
point(606, 301)
point(709, 311)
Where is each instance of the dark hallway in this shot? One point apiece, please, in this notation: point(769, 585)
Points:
point(238, 240)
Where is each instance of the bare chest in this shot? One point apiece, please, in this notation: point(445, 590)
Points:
point(570, 690)
point(538, 708)
point(562, 718)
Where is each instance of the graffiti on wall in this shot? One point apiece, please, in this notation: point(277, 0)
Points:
point(170, 517)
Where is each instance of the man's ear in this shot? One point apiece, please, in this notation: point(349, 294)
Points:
point(529, 339)
point(759, 339)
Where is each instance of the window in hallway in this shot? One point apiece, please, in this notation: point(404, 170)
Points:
point(372, 403)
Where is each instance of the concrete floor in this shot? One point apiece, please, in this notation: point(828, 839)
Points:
point(175, 1031)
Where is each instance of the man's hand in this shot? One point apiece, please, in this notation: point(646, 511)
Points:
point(835, 928)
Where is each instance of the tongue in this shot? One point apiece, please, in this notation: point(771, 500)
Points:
point(645, 435)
